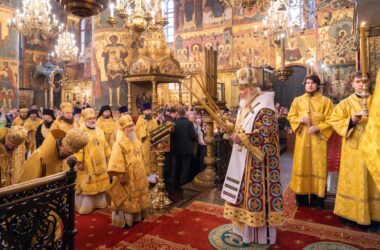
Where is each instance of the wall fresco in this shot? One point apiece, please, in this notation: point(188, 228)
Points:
point(8, 36)
point(9, 64)
point(112, 51)
point(8, 83)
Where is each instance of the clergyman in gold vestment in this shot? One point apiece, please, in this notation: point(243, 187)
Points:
point(106, 123)
point(10, 167)
point(308, 117)
point(144, 125)
point(358, 197)
point(129, 176)
point(371, 144)
point(92, 178)
point(49, 158)
point(31, 124)
point(65, 121)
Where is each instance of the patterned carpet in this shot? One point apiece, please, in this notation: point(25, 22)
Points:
point(188, 228)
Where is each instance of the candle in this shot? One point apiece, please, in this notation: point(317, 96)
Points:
point(112, 6)
point(282, 37)
point(363, 50)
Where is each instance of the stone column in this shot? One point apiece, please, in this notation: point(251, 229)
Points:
point(129, 98)
point(180, 93)
point(154, 97)
point(51, 82)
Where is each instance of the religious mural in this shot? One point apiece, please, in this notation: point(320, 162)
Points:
point(88, 48)
point(9, 65)
point(189, 48)
point(8, 83)
point(191, 15)
point(249, 15)
point(113, 50)
point(336, 37)
point(328, 39)
point(8, 36)
point(332, 5)
point(249, 49)
point(338, 80)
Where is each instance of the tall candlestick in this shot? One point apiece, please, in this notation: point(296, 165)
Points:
point(363, 50)
point(282, 37)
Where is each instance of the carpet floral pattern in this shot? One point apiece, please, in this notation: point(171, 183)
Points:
point(188, 228)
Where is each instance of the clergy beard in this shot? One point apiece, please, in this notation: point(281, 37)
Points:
point(132, 136)
point(90, 125)
point(106, 117)
point(148, 117)
point(244, 101)
point(69, 121)
point(47, 124)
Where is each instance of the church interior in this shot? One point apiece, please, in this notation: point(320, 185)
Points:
point(190, 124)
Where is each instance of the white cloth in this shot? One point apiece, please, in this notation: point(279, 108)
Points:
point(121, 219)
point(85, 204)
point(236, 166)
point(258, 235)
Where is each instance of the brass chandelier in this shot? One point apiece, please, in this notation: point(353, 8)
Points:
point(35, 21)
point(137, 15)
point(66, 49)
point(84, 8)
point(281, 24)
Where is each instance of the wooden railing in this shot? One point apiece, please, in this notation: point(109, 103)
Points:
point(39, 214)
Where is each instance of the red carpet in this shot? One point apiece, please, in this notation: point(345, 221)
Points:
point(334, 146)
point(306, 225)
point(188, 228)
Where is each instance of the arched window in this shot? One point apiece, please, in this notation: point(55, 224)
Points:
point(302, 13)
point(168, 9)
point(82, 37)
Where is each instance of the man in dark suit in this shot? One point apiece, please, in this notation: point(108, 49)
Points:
point(170, 116)
point(184, 137)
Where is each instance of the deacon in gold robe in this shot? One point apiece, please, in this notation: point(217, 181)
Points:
point(65, 121)
point(92, 179)
point(144, 125)
point(21, 118)
point(107, 124)
point(123, 110)
point(129, 191)
point(43, 129)
point(358, 197)
point(308, 117)
point(252, 188)
point(10, 167)
point(371, 140)
point(49, 158)
point(31, 124)
point(21, 151)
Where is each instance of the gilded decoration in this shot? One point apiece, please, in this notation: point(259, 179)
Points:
point(154, 57)
point(336, 37)
point(331, 5)
point(75, 91)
